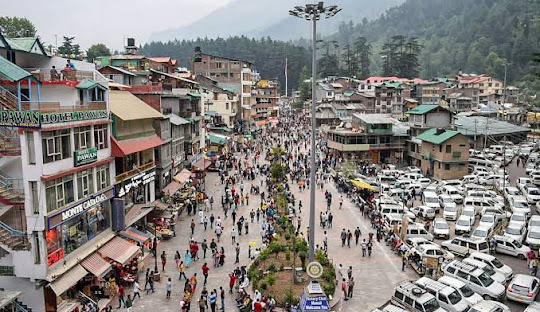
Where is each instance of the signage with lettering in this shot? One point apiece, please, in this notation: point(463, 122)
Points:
point(142, 178)
point(60, 117)
point(314, 303)
point(81, 207)
point(85, 156)
point(22, 119)
point(55, 256)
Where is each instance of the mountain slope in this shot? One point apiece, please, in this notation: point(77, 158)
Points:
point(270, 18)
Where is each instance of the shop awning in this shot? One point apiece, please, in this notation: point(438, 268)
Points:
point(202, 164)
point(126, 147)
point(362, 184)
point(183, 176)
point(119, 249)
point(96, 265)
point(69, 279)
point(137, 212)
point(136, 235)
point(177, 120)
point(172, 187)
point(218, 139)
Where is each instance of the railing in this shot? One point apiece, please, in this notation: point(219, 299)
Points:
point(13, 232)
point(84, 299)
point(51, 107)
point(48, 74)
point(20, 308)
point(121, 177)
point(14, 185)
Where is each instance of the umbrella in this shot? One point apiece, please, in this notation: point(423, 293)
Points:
point(362, 184)
point(252, 244)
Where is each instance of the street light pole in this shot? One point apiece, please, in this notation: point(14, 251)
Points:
point(313, 12)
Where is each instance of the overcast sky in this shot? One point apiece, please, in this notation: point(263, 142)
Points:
point(107, 21)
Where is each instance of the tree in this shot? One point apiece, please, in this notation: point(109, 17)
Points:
point(329, 62)
point(363, 53)
point(15, 27)
point(68, 47)
point(96, 50)
point(401, 57)
point(350, 62)
point(303, 86)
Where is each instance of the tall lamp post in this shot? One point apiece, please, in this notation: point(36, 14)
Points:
point(313, 12)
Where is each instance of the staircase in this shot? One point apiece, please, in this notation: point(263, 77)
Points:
point(21, 307)
point(8, 100)
point(11, 190)
point(14, 239)
point(10, 144)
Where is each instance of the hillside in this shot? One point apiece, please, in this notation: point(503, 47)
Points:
point(270, 18)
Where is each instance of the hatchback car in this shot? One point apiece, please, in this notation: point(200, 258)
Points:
point(488, 220)
point(518, 218)
point(516, 231)
point(533, 237)
point(489, 306)
point(481, 232)
point(441, 228)
point(463, 225)
point(433, 251)
point(446, 201)
point(534, 221)
point(450, 213)
point(523, 288)
point(423, 211)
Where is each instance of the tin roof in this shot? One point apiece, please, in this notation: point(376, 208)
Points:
point(433, 137)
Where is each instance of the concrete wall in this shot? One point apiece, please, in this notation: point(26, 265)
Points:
point(438, 119)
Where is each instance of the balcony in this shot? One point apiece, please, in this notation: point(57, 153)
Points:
point(45, 75)
point(55, 107)
point(125, 175)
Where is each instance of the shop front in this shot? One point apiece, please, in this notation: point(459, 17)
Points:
point(138, 189)
point(77, 224)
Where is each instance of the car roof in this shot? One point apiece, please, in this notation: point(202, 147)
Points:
point(482, 255)
point(523, 279)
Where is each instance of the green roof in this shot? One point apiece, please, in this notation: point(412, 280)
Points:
point(86, 84)
point(195, 95)
point(396, 85)
point(11, 71)
point(218, 139)
point(422, 109)
point(431, 136)
point(196, 118)
point(348, 93)
point(22, 44)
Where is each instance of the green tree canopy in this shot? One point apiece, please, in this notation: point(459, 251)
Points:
point(98, 49)
point(68, 47)
point(14, 27)
point(303, 86)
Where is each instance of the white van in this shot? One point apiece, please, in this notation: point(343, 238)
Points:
point(466, 292)
point(496, 276)
point(448, 298)
point(495, 263)
point(418, 230)
point(413, 298)
point(453, 193)
point(431, 200)
point(477, 280)
point(413, 176)
point(464, 246)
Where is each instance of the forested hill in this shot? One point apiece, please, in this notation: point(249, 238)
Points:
point(472, 35)
point(267, 55)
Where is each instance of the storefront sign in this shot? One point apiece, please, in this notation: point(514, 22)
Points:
point(81, 207)
point(134, 182)
point(85, 156)
point(60, 117)
point(55, 256)
point(314, 303)
point(23, 119)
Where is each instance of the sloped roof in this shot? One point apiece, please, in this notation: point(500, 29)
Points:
point(127, 106)
point(120, 69)
point(375, 118)
point(422, 109)
point(11, 71)
point(89, 84)
point(177, 120)
point(466, 125)
point(431, 136)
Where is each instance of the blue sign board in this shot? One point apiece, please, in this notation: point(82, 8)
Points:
point(314, 303)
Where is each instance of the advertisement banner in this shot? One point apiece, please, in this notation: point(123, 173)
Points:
point(85, 156)
point(21, 119)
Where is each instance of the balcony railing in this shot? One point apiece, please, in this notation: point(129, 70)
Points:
point(121, 177)
point(48, 74)
point(51, 107)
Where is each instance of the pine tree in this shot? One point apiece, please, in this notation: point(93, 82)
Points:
point(363, 53)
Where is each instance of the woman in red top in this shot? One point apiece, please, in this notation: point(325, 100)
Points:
point(232, 281)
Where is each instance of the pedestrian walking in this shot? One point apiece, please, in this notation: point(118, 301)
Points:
point(218, 230)
point(344, 289)
point(343, 237)
point(176, 260)
point(182, 271)
point(204, 247)
point(357, 234)
point(349, 237)
point(163, 260)
point(350, 285)
point(349, 272)
point(202, 303)
point(403, 263)
point(136, 290)
point(121, 295)
point(212, 300)
point(233, 236)
point(205, 222)
point(212, 219)
point(330, 220)
point(192, 227)
point(168, 287)
point(128, 304)
point(205, 270)
point(369, 248)
point(364, 247)
point(222, 298)
point(237, 253)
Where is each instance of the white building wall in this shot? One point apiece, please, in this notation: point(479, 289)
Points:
point(438, 120)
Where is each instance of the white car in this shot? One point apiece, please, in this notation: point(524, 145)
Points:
point(469, 212)
point(481, 232)
point(510, 191)
point(488, 220)
point(463, 225)
point(533, 237)
point(533, 307)
point(466, 292)
point(486, 267)
point(489, 306)
point(509, 246)
point(534, 221)
point(433, 251)
point(424, 182)
point(490, 179)
point(446, 201)
point(454, 193)
point(518, 218)
point(423, 211)
point(450, 213)
point(530, 167)
point(441, 228)
point(532, 194)
point(413, 242)
point(519, 204)
point(494, 262)
point(523, 288)
point(516, 231)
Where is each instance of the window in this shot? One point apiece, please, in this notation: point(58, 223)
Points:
point(219, 65)
point(409, 301)
point(82, 138)
point(103, 176)
point(446, 166)
point(448, 148)
point(101, 136)
point(440, 148)
point(451, 270)
point(398, 295)
point(35, 199)
point(443, 298)
point(85, 183)
point(462, 274)
point(31, 147)
point(37, 253)
point(59, 192)
point(227, 106)
point(56, 145)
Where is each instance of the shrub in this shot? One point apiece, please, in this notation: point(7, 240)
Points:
point(303, 256)
point(274, 247)
point(329, 274)
point(289, 297)
point(329, 288)
point(281, 267)
point(288, 255)
point(287, 236)
point(271, 279)
point(300, 245)
point(263, 286)
point(321, 257)
point(272, 267)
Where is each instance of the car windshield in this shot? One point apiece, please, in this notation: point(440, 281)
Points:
point(447, 200)
point(488, 218)
point(534, 223)
point(441, 225)
point(519, 204)
point(454, 297)
point(480, 233)
point(468, 213)
point(518, 217)
point(431, 305)
point(464, 222)
point(534, 192)
point(466, 291)
point(450, 209)
point(431, 200)
point(534, 234)
point(513, 231)
point(485, 279)
point(498, 264)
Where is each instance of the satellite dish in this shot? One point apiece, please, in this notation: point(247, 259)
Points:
point(348, 125)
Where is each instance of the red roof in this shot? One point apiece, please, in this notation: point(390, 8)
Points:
point(164, 59)
point(126, 147)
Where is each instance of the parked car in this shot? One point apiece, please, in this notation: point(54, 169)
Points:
point(533, 307)
point(441, 228)
point(433, 251)
point(523, 288)
point(446, 201)
point(534, 221)
point(510, 191)
point(510, 246)
point(423, 211)
point(486, 267)
point(476, 278)
point(463, 225)
point(532, 193)
point(454, 193)
point(488, 220)
point(489, 306)
point(495, 263)
point(469, 212)
point(481, 232)
point(519, 204)
point(450, 213)
point(424, 182)
point(464, 246)
point(533, 237)
point(518, 218)
point(466, 292)
point(516, 231)
point(449, 298)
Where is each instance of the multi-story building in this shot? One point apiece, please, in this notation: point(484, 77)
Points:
point(266, 91)
point(57, 175)
point(491, 90)
point(462, 99)
point(220, 105)
point(445, 154)
point(373, 137)
point(428, 93)
point(231, 74)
